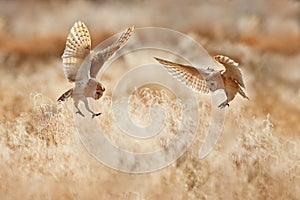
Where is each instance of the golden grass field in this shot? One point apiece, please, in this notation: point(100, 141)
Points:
point(257, 155)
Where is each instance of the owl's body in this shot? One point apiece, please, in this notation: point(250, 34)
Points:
point(232, 79)
point(204, 80)
point(78, 48)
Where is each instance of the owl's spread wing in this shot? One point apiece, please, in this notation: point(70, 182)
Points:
point(188, 75)
point(232, 70)
point(109, 52)
point(78, 46)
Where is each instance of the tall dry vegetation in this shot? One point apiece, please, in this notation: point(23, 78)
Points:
point(257, 156)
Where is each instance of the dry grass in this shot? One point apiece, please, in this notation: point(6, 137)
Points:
point(257, 156)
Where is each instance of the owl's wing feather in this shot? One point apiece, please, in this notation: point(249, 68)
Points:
point(78, 46)
point(109, 52)
point(188, 75)
point(232, 70)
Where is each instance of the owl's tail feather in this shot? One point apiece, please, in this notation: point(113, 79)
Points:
point(242, 93)
point(65, 96)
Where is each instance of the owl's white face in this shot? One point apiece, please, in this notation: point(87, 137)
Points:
point(214, 81)
point(212, 85)
point(93, 89)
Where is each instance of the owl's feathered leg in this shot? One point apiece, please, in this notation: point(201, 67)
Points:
point(230, 94)
point(78, 110)
point(89, 109)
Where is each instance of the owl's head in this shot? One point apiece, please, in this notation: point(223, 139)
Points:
point(94, 89)
point(99, 91)
point(214, 81)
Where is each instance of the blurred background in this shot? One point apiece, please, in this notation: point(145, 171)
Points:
point(258, 154)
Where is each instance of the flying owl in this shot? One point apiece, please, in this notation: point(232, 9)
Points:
point(202, 80)
point(78, 49)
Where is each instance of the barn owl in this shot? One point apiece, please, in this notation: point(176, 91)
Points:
point(78, 49)
point(203, 80)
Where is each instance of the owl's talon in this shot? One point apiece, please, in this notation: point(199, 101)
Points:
point(80, 113)
point(223, 105)
point(95, 115)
